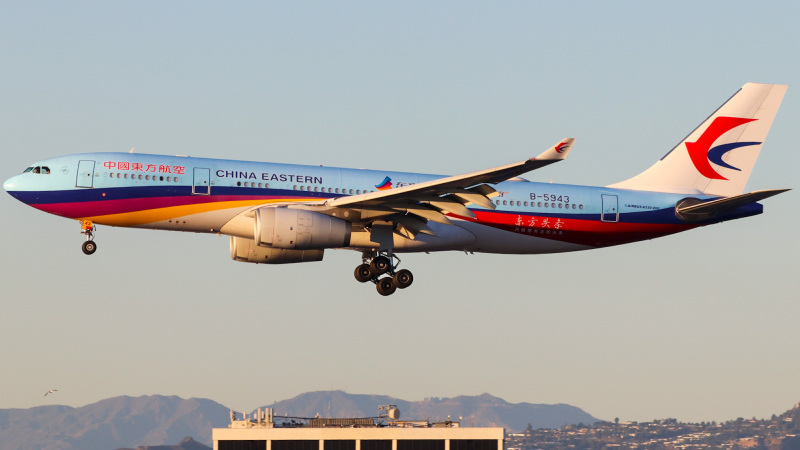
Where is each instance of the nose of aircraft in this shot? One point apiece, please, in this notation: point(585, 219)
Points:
point(11, 184)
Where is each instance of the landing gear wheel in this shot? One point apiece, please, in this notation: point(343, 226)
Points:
point(89, 247)
point(380, 265)
point(386, 286)
point(403, 279)
point(363, 273)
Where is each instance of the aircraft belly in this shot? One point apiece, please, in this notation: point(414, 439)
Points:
point(447, 237)
point(494, 240)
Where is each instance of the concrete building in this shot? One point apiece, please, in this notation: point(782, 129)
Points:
point(265, 432)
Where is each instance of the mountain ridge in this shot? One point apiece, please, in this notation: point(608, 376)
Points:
point(157, 420)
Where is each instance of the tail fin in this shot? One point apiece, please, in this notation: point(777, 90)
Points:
point(718, 156)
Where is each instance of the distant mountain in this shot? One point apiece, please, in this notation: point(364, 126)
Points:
point(186, 444)
point(111, 423)
point(150, 422)
point(481, 411)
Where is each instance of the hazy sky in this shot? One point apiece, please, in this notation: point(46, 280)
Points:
point(697, 326)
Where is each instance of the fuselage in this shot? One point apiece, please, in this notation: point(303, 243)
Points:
point(203, 195)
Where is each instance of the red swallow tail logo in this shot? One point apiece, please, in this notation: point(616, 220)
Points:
point(560, 147)
point(702, 154)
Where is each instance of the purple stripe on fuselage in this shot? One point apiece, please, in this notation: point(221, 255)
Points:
point(107, 207)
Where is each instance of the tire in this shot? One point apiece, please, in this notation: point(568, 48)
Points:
point(403, 279)
point(89, 247)
point(380, 265)
point(386, 286)
point(363, 273)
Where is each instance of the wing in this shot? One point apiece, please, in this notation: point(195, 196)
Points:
point(410, 207)
point(406, 210)
point(450, 194)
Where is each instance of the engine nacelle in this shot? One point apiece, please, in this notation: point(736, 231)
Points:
point(299, 229)
point(246, 250)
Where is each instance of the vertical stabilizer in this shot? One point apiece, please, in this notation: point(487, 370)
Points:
point(718, 156)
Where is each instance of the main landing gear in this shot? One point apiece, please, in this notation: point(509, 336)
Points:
point(88, 228)
point(379, 263)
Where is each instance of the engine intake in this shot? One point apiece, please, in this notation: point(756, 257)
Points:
point(246, 250)
point(299, 229)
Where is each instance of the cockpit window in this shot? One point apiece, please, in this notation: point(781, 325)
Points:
point(38, 169)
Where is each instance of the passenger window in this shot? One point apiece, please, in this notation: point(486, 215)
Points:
point(126, 176)
point(316, 189)
point(351, 191)
point(337, 190)
point(266, 185)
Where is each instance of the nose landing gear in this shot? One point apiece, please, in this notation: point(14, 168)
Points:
point(88, 228)
point(376, 264)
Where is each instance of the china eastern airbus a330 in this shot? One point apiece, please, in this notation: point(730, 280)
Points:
point(286, 213)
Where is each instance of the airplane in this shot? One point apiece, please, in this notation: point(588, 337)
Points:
point(287, 213)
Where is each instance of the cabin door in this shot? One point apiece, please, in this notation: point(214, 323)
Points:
point(85, 176)
point(610, 209)
point(202, 181)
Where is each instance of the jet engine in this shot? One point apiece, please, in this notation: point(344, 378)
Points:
point(246, 250)
point(299, 229)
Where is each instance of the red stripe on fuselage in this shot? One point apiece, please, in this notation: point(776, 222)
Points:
point(592, 233)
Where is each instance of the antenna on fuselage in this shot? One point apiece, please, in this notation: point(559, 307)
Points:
point(131, 150)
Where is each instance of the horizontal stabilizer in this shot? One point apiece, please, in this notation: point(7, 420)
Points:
point(690, 210)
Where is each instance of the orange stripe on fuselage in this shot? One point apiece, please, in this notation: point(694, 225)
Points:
point(138, 218)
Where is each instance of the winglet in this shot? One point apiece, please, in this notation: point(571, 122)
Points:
point(558, 151)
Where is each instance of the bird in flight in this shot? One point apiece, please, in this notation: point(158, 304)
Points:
point(50, 392)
